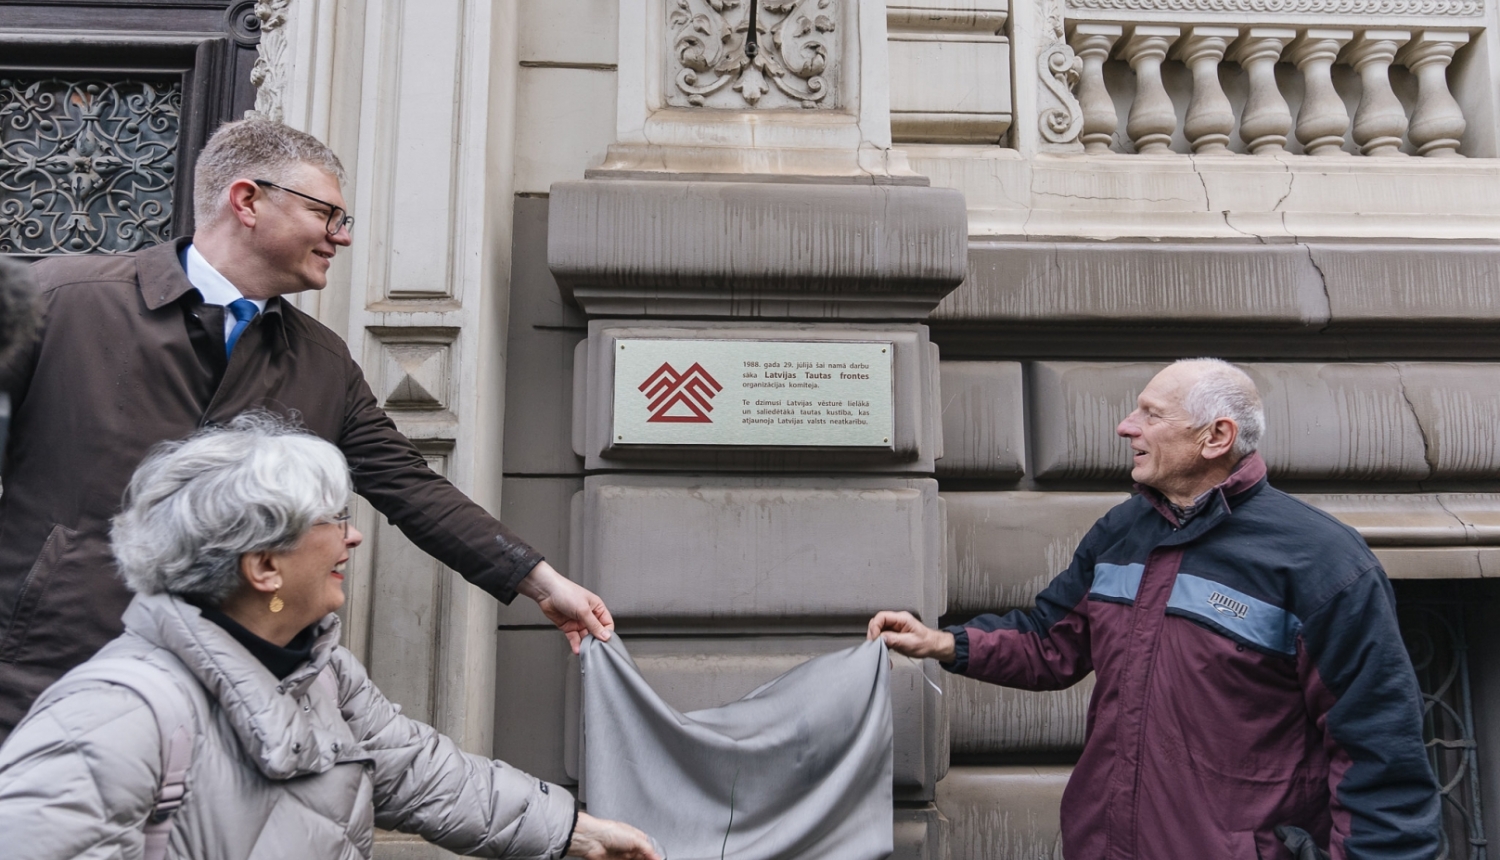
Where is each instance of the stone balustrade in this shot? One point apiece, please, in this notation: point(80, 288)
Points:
point(1260, 120)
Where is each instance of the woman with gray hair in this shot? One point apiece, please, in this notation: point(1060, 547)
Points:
point(227, 721)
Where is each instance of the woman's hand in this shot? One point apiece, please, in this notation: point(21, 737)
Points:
point(602, 839)
point(904, 634)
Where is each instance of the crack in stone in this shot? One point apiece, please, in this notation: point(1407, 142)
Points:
point(1322, 282)
point(1471, 534)
point(1427, 454)
point(1291, 182)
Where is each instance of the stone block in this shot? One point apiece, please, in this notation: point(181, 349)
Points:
point(916, 443)
point(989, 721)
point(984, 420)
point(694, 673)
point(540, 511)
point(1009, 545)
point(926, 107)
point(1458, 406)
point(1003, 813)
point(756, 249)
point(723, 551)
point(1399, 285)
point(557, 137)
point(542, 333)
point(535, 299)
point(1448, 562)
point(531, 669)
point(1112, 284)
point(1323, 421)
point(921, 833)
point(539, 402)
point(568, 32)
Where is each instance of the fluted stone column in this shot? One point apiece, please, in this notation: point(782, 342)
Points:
point(1210, 117)
point(1380, 120)
point(1323, 120)
point(1152, 116)
point(1092, 43)
point(1266, 119)
point(1437, 125)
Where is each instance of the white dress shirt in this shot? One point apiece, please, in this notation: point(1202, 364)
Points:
point(215, 288)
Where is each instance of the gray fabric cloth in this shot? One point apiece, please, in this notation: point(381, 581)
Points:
point(802, 764)
point(305, 767)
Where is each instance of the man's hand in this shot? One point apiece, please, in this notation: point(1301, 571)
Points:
point(904, 634)
point(574, 609)
point(602, 839)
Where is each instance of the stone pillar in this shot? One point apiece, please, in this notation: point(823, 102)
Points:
point(1437, 125)
point(1152, 116)
point(1380, 120)
point(736, 519)
point(1323, 120)
point(1266, 119)
point(1210, 117)
point(1092, 43)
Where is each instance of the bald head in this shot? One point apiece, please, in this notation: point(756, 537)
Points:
point(1192, 425)
point(1214, 389)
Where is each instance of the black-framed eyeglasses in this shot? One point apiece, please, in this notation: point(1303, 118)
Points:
point(340, 519)
point(337, 218)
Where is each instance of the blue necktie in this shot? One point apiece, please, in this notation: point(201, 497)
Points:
point(244, 311)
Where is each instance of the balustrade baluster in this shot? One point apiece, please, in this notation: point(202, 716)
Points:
point(1210, 117)
point(1152, 116)
point(1437, 125)
point(1266, 119)
point(1380, 120)
point(1323, 120)
point(1093, 42)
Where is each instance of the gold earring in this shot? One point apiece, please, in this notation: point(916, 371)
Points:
point(277, 604)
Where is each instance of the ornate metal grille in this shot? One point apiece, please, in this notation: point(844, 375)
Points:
point(86, 166)
point(1436, 639)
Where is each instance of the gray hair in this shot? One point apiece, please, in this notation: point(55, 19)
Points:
point(253, 149)
point(1224, 391)
point(194, 507)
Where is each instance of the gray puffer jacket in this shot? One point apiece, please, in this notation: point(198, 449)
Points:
point(297, 768)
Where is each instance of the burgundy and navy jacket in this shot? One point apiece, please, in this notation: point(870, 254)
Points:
point(1249, 673)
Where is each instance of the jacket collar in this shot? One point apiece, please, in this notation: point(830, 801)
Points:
point(162, 281)
point(277, 733)
point(1248, 475)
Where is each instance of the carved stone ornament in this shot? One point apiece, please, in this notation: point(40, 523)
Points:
point(794, 61)
point(1060, 118)
point(269, 75)
point(1456, 8)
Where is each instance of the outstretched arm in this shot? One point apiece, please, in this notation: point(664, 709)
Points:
point(904, 634)
point(390, 472)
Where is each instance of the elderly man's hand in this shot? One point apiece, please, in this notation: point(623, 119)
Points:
point(602, 839)
point(904, 634)
point(574, 609)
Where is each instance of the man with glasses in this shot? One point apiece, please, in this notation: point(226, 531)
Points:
point(140, 348)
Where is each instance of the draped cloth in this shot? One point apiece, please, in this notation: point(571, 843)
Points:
point(799, 768)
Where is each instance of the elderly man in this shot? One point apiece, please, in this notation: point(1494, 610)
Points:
point(1251, 684)
point(139, 348)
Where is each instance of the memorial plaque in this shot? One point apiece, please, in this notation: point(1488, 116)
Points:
point(753, 392)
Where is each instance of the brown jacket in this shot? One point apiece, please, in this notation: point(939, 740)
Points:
point(129, 356)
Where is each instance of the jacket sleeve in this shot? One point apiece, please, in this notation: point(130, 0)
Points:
point(79, 776)
point(1043, 648)
point(390, 472)
point(426, 785)
point(1362, 694)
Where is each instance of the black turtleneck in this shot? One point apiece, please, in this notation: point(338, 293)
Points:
point(281, 661)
